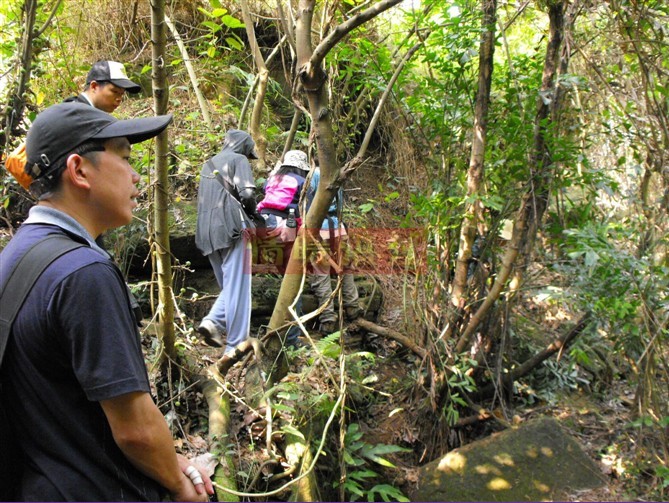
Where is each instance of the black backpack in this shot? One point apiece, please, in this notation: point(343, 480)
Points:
point(13, 293)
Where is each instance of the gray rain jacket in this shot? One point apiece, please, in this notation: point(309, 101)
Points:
point(220, 217)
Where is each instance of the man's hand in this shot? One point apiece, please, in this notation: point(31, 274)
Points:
point(197, 476)
point(142, 434)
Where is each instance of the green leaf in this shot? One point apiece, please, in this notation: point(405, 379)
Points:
point(353, 487)
point(232, 22)
point(234, 43)
point(286, 395)
point(387, 493)
point(366, 207)
point(662, 472)
point(356, 446)
point(205, 12)
point(591, 258)
point(283, 407)
point(392, 196)
point(362, 475)
point(219, 12)
point(374, 453)
point(352, 460)
point(293, 431)
point(214, 27)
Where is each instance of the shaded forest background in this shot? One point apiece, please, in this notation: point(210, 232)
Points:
point(528, 141)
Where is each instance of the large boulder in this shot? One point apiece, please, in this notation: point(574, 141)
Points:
point(536, 462)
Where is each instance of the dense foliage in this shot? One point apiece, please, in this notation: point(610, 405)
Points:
point(602, 245)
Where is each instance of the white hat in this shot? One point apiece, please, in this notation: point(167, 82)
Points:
point(297, 159)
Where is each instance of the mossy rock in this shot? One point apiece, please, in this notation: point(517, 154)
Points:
point(536, 462)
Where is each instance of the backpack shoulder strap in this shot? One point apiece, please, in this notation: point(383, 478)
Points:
point(226, 184)
point(24, 275)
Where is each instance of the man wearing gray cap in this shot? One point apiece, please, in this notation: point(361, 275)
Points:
point(106, 83)
point(74, 384)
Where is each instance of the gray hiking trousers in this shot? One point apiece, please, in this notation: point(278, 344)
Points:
point(322, 287)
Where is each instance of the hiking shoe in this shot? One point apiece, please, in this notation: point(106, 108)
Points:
point(353, 312)
point(212, 336)
point(327, 327)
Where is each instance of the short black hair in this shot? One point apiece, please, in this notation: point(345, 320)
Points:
point(101, 83)
point(51, 180)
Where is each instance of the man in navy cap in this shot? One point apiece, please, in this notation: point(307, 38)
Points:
point(106, 83)
point(75, 389)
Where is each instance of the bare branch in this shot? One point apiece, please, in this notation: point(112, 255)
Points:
point(558, 345)
point(384, 98)
point(191, 72)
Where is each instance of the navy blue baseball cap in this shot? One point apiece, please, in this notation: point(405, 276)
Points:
point(61, 128)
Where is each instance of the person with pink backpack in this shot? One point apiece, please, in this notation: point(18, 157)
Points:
point(282, 194)
point(281, 210)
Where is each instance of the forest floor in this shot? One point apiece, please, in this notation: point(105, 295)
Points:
point(386, 406)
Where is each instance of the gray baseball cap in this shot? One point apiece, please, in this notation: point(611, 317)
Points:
point(114, 72)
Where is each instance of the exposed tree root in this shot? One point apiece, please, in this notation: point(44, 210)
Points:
point(391, 334)
point(558, 345)
point(299, 455)
point(219, 432)
point(226, 362)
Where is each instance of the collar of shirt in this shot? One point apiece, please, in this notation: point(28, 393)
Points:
point(45, 215)
point(87, 99)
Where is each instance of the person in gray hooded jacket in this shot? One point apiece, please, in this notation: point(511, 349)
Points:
point(226, 199)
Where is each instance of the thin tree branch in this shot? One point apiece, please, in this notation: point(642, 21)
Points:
point(384, 98)
point(391, 334)
point(346, 27)
point(49, 19)
point(191, 72)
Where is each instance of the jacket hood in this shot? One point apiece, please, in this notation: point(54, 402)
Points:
point(240, 142)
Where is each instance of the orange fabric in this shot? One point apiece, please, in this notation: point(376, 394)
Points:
point(15, 164)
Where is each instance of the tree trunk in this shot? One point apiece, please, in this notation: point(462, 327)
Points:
point(315, 85)
point(535, 199)
point(165, 310)
point(297, 115)
point(219, 434)
point(299, 455)
point(16, 105)
point(542, 170)
point(474, 211)
point(261, 89)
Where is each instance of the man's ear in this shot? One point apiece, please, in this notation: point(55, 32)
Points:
point(77, 170)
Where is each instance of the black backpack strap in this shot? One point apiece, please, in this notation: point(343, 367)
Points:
point(24, 275)
point(226, 184)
